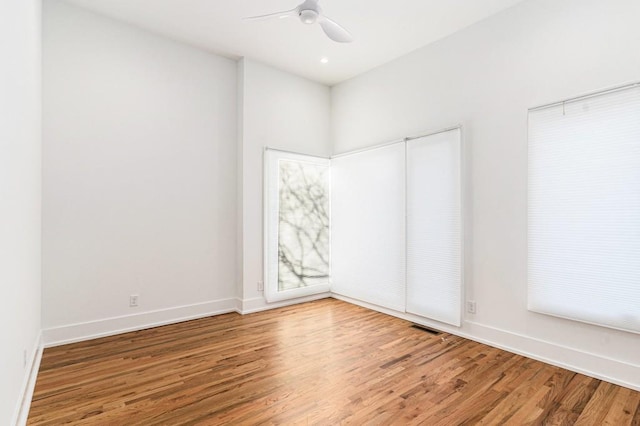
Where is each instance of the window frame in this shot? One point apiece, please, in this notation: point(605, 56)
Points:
point(271, 194)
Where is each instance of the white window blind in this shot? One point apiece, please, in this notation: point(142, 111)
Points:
point(368, 226)
point(584, 210)
point(434, 245)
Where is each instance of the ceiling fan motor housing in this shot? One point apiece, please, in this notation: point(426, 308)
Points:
point(308, 16)
point(309, 11)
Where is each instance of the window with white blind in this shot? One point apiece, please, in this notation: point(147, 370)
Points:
point(368, 227)
point(584, 209)
point(434, 226)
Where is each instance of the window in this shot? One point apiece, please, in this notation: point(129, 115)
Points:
point(297, 224)
point(368, 230)
point(434, 226)
point(584, 209)
point(395, 225)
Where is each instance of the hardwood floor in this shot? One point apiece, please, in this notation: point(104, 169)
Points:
point(325, 362)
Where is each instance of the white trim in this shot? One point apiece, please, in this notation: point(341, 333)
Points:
point(257, 304)
point(31, 375)
point(369, 148)
point(395, 141)
point(435, 132)
point(465, 193)
point(286, 151)
point(71, 333)
point(239, 305)
point(586, 96)
point(617, 372)
point(406, 223)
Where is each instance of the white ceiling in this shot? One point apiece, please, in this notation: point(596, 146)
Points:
point(383, 29)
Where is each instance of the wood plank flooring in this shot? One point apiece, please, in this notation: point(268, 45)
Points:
point(323, 363)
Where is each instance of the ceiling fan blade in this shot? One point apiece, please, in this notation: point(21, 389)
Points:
point(285, 14)
point(334, 31)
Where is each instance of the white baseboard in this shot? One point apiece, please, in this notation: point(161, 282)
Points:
point(110, 326)
point(593, 365)
point(257, 304)
point(597, 366)
point(29, 383)
point(71, 333)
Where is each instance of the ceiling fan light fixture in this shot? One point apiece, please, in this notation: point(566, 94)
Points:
point(308, 16)
point(310, 12)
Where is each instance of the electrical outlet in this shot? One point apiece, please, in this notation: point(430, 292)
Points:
point(471, 306)
point(133, 300)
point(260, 286)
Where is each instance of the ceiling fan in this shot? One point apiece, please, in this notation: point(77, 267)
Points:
point(309, 13)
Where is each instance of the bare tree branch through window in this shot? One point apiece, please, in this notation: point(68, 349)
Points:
point(303, 231)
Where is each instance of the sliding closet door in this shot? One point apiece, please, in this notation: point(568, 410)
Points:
point(434, 227)
point(368, 226)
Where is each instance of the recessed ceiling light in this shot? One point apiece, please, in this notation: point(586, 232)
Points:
point(324, 60)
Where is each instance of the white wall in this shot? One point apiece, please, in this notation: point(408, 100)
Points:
point(139, 172)
point(278, 110)
point(486, 77)
point(20, 192)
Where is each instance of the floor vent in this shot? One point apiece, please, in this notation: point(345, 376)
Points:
point(427, 329)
